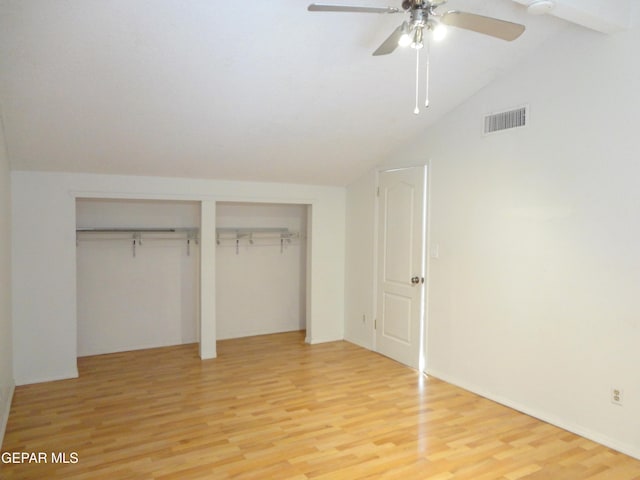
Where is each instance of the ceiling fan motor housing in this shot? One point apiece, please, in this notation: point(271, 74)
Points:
point(418, 18)
point(413, 4)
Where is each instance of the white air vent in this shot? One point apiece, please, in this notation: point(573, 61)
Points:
point(497, 122)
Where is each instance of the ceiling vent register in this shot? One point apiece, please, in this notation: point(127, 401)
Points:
point(497, 122)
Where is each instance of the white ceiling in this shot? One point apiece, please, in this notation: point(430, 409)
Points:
point(266, 91)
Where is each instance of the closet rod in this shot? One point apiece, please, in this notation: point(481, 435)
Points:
point(136, 233)
point(135, 230)
point(246, 231)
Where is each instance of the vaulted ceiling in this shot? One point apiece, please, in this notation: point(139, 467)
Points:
point(233, 90)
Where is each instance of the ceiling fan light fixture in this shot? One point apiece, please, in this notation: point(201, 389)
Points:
point(417, 39)
point(438, 31)
point(405, 39)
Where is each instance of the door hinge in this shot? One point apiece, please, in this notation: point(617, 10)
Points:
point(375, 323)
point(378, 192)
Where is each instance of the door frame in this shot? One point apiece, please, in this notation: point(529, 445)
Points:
point(424, 307)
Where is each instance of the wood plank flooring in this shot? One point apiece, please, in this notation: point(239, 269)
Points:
point(272, 407)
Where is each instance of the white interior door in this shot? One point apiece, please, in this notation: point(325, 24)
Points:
point(401, 269)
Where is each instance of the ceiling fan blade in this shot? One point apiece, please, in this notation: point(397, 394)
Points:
point(323, 7)
point(487, 25)
point(391, 43)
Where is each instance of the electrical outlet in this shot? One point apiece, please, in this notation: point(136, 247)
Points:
point(617, 396)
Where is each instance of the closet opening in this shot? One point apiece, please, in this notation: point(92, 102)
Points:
point(261, 268)
point(137, 271)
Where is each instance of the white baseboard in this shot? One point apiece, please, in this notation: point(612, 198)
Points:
point(631, 450)
point(360, 343)
point(4, 412)
point(314, 341)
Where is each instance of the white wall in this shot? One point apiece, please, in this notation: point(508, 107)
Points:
point(44, 274)
point(260, 288)
point(533, 300)
point(126, 302)
point(359, 268)
point(6, 364)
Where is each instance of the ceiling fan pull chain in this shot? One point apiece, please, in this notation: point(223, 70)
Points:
point(426, 90)
point(417, 110)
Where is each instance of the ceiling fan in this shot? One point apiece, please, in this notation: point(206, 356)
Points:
point(422, 15)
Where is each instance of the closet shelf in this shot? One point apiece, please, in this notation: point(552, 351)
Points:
point(284, 235)
point(224, 233)
point(136, 230)
point(136, 233)
point(247, 232)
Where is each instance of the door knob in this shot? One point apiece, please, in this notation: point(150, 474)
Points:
point(415, 280)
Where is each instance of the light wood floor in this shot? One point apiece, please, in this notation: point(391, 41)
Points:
point(272, 407)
